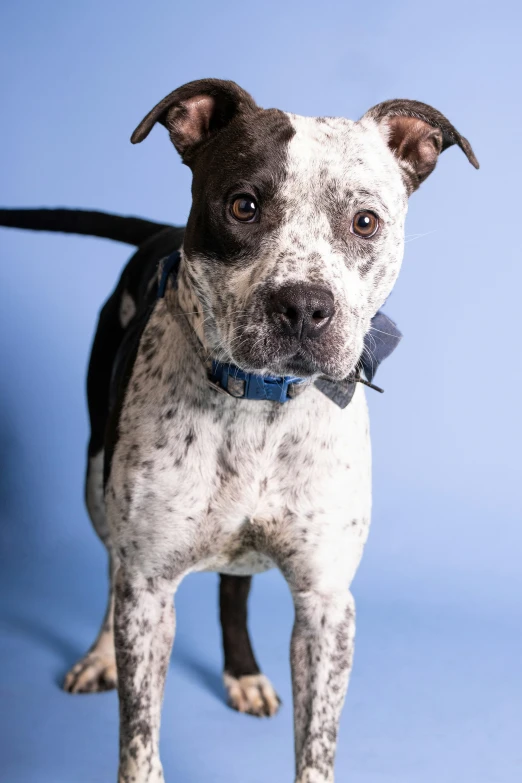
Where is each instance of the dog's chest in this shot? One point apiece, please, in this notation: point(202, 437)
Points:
point(201, 479)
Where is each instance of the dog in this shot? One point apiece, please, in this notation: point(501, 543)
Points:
point(214, 446)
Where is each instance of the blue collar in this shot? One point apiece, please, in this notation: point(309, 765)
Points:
point(380, 341)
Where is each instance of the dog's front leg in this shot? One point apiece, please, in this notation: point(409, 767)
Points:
point(144, 631)
point(321, 655)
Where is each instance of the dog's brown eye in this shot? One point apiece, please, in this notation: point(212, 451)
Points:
point(244, 208)
point(365, 224)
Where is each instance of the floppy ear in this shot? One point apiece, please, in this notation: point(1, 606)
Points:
point(195, 112)
point(417, 134)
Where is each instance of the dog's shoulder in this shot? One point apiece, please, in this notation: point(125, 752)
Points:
point(120, 326)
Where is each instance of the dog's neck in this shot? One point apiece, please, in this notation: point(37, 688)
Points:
point(197, 314)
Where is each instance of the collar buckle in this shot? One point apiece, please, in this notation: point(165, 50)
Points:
point(249, 386)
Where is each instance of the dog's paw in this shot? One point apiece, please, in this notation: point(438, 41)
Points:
point(92, 674)
point(252, 694)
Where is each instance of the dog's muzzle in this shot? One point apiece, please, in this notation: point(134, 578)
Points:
point(303, 311)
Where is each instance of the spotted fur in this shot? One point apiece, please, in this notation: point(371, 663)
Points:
point(196, 480)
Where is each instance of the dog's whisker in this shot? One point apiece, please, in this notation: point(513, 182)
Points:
point(373, 329)
point(367, 351)
point(412, 237)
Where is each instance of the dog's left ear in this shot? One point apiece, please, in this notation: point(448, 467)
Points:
point(417, 134)
point(195, 112)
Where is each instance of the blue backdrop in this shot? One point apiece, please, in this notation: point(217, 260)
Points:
point(436, 693)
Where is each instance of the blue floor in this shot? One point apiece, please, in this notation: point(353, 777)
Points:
point(436, 694)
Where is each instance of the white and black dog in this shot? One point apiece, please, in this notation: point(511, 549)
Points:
point(217, 443)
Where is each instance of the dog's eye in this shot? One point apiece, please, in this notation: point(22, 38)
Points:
point(365, 224)
point(244, 208)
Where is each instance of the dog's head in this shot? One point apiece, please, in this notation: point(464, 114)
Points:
point(295, 237)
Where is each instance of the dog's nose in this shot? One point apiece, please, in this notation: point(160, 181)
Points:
point(302, 310)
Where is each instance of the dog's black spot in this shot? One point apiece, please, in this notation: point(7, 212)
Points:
point(379, 275)
point(225, 466)
point(365, 267)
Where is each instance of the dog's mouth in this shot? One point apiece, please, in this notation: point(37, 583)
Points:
point(300, 364)
point(305, 363)
point(301, 360)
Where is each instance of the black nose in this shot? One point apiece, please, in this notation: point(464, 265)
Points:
point(302, 310)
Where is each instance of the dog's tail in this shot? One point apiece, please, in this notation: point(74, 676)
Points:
point(131, 230)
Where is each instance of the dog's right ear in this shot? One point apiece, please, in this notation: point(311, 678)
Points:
point(195, 112)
